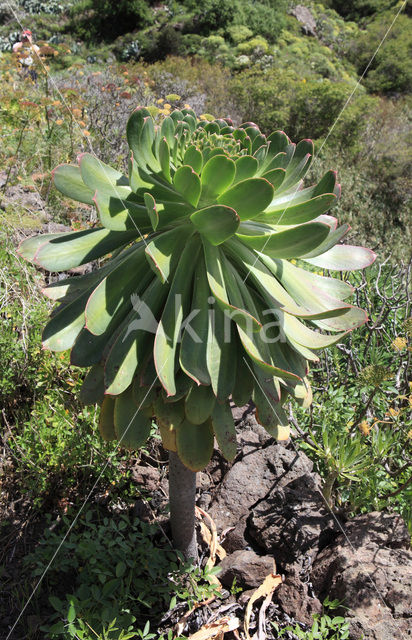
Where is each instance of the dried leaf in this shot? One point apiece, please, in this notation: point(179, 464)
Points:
point(265, 590)
point(216, 629)
point(179, 627)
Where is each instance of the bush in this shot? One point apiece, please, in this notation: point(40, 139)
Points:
point(255, 44)
point(264, 97)
point(95, 20)
point(355, 9)
point(265, 19)
point(315, 107)
point(239, 33)
point(210, 15)
point(44, 6)
point(391, 69)
point(112, 569)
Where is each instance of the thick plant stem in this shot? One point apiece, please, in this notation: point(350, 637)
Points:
point(182, 493)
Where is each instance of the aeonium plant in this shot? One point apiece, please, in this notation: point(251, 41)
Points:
point(203, 291)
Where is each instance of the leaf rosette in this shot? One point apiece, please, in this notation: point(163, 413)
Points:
point(200, 301)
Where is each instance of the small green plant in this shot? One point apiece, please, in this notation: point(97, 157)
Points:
point(117, 578)
point(359, 430)
point(324, 627)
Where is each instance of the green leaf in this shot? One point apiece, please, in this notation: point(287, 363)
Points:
point(284, 211)
point(246, 167)
point(194, 342)
point(216, 223)
point(194, 158)
point(217, 175)
point(305, 336)
point(113, 294)
point(183, 384)
point(220, 355)
point(68, 250)
point(187, 182)
point(170, 414)
point(326, 185)
point(269, 412)
point(71, 614)
point(170, 323)
point(331, 239)
point(243, 387)
point(68, 180)
point(106, 420)
point(134, 128)
point(151, 210)
point(132, 425)
point(100, 176)
point(220, 283)
point(310, 290)
point(299, 164)
point(344, 258)
point(258, 348)
point(224, 430)
point(68, 289)
point(141, 136)
point(134, 342)
point(290, 243)
point(29, 247)
point(248, 198)
point(194, 444)
point(199, 404)
point(278, 142)
point(120, 569)
point(163, 252)
point(254, 268)
point(275, 177)
point(92, 391)
point(121, 215)
point(347, 321)
point(164, 159)
point(167, 130)
point(63, 328)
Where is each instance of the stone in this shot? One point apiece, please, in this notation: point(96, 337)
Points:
point(246, 567)
point(295, 599)
point(304, 16)
point(292, 523)
point(250, 434)
point(147, 477)
point(369, 569)
point(250, 479)
point(235, 539)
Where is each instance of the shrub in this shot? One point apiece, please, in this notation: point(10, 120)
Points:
point(94, 20)
point(253, 45)
point(239, 33)
point(355, 9)
point(265, 18)
point(210, 15)
point(391, 69)
point(112, 569)
point(316, 105)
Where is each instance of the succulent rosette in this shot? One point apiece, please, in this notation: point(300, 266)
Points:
point(205, 288)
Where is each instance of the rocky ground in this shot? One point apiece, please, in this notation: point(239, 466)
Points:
point(268, 507)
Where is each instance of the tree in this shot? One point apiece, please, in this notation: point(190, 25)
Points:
point(199, 300)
